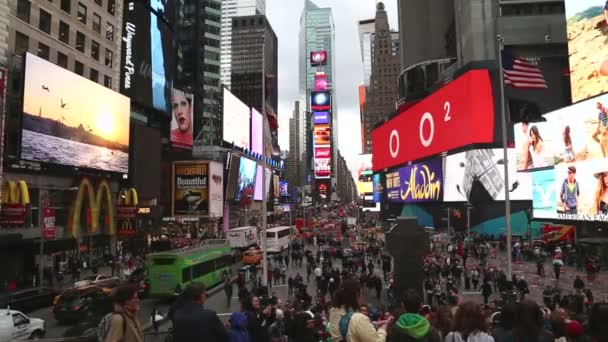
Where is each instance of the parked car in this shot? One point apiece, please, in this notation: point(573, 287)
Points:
point(28, 299)
point(75, 304)
point(101, 280)
point(16, 326)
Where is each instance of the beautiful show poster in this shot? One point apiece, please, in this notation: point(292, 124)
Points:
point(191, 189)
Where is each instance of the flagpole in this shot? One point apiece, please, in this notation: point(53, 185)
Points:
point(503, 116)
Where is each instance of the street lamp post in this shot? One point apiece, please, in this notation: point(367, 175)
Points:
point(264, 192)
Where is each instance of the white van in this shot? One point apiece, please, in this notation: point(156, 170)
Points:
point(15, 326)
point(243, 237)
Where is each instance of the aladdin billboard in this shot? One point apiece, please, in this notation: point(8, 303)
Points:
point(421, 182)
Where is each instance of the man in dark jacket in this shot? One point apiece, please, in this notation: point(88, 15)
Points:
point(258, 320)
point(192, 320)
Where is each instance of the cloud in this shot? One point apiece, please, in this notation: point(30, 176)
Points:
point(284, 17)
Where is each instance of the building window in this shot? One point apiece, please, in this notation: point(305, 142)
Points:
point(64, 33)
point(66, 6)
point(79, 68)
point(82, 13)
point(44, 22)
point(22, 43)
point(111, 6)
point(109, 58)
point(99, 2)
point(23, 10)
point(109, 32)
point(107, 81)
point(95, 50)
point(62, 60)
point(44, 51)
point(80, 41)
point(96, 23)
point(94, 75)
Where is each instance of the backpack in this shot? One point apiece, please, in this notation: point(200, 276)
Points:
point(104, 326)
point(345, 322)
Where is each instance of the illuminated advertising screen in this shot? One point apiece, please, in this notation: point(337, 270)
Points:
point(191, 188)
point(235, 121)
point(318, 58)
point(323, 188)
point(460, 113)
point(320, 82)
point(147, 65)
point(259, 177)
point(284, 189)
point(486, 165)
point(70, 120)
point(275, 186)
point(320, 118)
point(322, 135)
point(421, 182)
point(320, 100)
point(322, 162)
point(587, 48)
point(378, 188)
point(246, 179)
point(257, 129)
point(543, 194)
point(182, 107)
point(535, 145)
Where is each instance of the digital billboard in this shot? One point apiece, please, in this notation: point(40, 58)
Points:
point(587, 47)
point(318, 58)
point(320, 118)
point(147, 56)
point(322, 162)
point(460, 113)
point(320, 82)
point(235, 121)
point(421, 182)
point(320, 100)
point(322, 135)
point(275, 186)
point(378, 185)
point(543, 194)
point(258, 194)
point(487, 166)
point(182, 107)
point(257, 129)
point(191, 188)
point(70, 120)
point(284, 189)
point(245, 186)
point(535, 145)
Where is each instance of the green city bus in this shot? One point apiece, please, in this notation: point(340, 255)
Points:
point(175, 269)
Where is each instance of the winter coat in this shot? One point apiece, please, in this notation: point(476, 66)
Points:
point(478, 336)
point(361, 329)
point(121, 331)
point(238, 328)
point(413, 328)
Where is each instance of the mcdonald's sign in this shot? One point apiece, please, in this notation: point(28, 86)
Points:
point(15, 200)
point(126, 211)
point(95, 200)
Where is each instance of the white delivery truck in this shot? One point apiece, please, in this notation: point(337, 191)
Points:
point(243, 237)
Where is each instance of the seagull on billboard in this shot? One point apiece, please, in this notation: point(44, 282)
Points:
point(63, 104)
point(521, 72)
point(45, 88)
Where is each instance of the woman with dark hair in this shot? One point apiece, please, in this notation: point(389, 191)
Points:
point(354, 326)
point(469, 325)
point(529, 323)
point(598, 329)
point(442, 320)
point(124, 325)
point(537, 151)
point(568, 151)
point(502, 329)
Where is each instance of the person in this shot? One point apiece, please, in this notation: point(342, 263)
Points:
point(598, 329)
point(191, 320)
point(502, 331)
point(522, 287)
point(411, 326)
point(238, 327)
point(486, 291)
point(527, 160)
point(529, 323)
point(228, 288)
point(258, 320)
point(570, 191)
point(355, 326)
point(124, 325)
point(601, 130)
point(537, 148)
point(601, 194)
point(578, 284)
point(469, 325)
point(569, 155)
point(182, 113)
point(277, 329)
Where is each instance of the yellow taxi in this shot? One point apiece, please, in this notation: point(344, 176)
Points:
point(252, 257)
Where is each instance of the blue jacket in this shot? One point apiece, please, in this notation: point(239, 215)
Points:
point(567, 196)
point(238, 328)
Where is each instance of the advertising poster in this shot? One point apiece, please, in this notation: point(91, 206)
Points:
point(235, 121)
point(543, 194)
point(322, 135)
point(275, 186)
point(48, 221)
point(246, 180)
point(320, 118)
point(70, 120)
point(322, 162)
point(320, 82)
point(318, 58)
point(421, 182)
point(216, 189)
point(182, 107)
point(258, 194)
point(535, 145)
point(257, 129)
point(191, 189)
point(486, 165)
point(284, 189)
point(587, 47)
point(320, 100)
point(378, 188)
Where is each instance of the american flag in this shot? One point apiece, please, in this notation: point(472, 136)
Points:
point(522, 73)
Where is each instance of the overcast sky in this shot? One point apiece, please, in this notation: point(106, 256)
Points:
point(284, 17)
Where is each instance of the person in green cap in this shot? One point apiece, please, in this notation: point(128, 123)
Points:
point(411, 326)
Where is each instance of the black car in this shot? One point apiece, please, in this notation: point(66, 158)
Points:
point(75, 304)
point(28, 299)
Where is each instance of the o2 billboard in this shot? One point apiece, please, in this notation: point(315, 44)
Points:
point(459, 114)
point(421, 182)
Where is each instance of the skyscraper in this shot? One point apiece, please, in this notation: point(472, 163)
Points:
point(366, 30)
point(317, 33)
point(198, 65)
point(382, 93)
point(231, 9)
